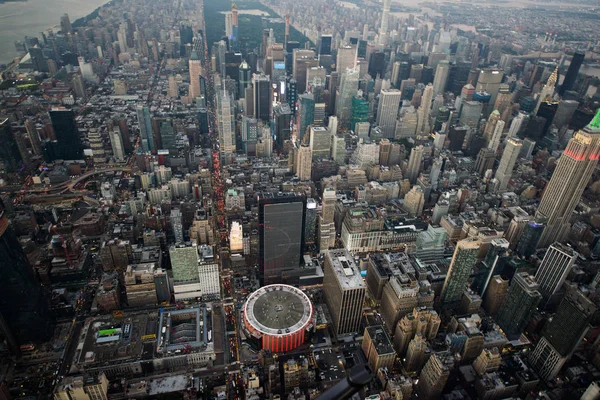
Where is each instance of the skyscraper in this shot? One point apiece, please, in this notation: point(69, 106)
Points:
point(562, 334)
point(244, 78)
point(344, 290)
point(195, 73)
point(68, 144)
point(434, 375)
point(304, 162)
point(547, 92)
point(572, 72)
point(493, 130)
point(570, 178)
point(555, 267)
point(117, 144)
point(463, 262)
point(530, 238)
point(507, 162)
point(262, 97)
point(414, 163)
point(325, 45)
point(441, 77)
point(65, 24)
point(282, 118)
point(145, 124)
point(521, 301)
point(348, 89)
point(281, 228)
point(34, 137)
point(9, 151)
point(385, 17)
point(423, 125)
point(306, 114)
point(387, 111)
point(22, 304)
point(226, 122)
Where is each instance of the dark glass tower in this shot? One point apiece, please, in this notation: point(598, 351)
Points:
point(530, 238)
point(262, 97)
point(68, 144)
point(572, 73)
point(9, 151)
point(325, 47)
point(22, 303)
point(521, 301)
point(281, 233)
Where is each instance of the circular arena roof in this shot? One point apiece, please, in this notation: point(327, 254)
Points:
point(278, 310)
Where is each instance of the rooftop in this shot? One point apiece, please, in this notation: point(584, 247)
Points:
point(380, 339)
point(278, 309)
point(346, 270)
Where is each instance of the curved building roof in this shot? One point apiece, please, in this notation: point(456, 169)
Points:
point(278, 310)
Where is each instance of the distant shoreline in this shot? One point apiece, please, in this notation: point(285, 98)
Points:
point(8, 53)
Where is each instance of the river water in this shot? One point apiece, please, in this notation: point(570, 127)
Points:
point(28, 18)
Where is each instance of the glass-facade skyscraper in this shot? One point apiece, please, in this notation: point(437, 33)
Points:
point(68, 144)
point(9, 152)
point(22, 304)
point(281, 233)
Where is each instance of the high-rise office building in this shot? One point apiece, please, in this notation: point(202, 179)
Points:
point(562, 335)
point(360, 112)
point(281, 238)
point(304, 162)
point(387, 111)
point(424, 111)
point(9, 151)
point(65, 24)
point(572, 73)
point(34, 137)
point(68, 143)
point(385, 17)
point(226, 122)
point(344, 290)
point(282, 119)
point(244, 78)
point(195, 73)
point(414, 163)
point(491, 264)
point(572, 173)
point(521, 301)
point(431, 244)
point(348, 89)
point(306, 114)
point(22, 303)
point(145, 125)
point(463, 262)
point(117, 144)
point(564, 113)
point(489, 81)
point(495, 294)
point(262, 97)
point(510, 156)
point(346, 59)
point(493, 130)
point(441, 77)
point(320, 142)
point(434, 375)
point(547, 92)
point(471, 113)
point(303, 60)
point(529, 240)
point(325, 44)
point(556, 265)
point(416, 354)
